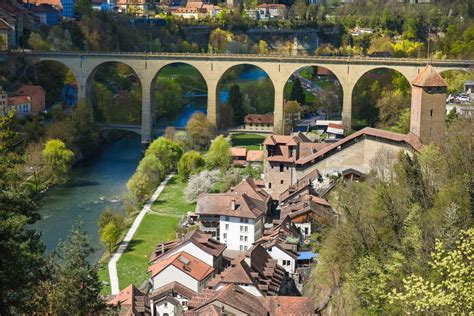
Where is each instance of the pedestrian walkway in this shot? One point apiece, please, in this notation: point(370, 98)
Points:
point(114, 281)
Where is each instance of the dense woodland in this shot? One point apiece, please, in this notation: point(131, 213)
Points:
point(404, 239)
point(401, 30)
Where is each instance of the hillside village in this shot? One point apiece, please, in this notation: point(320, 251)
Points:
point(251, 253)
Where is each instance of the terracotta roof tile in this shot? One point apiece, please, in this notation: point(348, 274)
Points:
point(288, 305)
point(29, 90)
point(18, 100)
point(429, 77)
point(185, 262)
point(238, 151)
point(259, 118)
point(131, 301)
point(173, 287)
point(255, 155)
point(410, 139)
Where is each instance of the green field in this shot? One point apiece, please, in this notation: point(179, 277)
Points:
point(155, 228)
point(249, 141)
point(179, 70)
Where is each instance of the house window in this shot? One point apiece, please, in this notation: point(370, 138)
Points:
point(241, 228)
point(225, 236)
point(184, 303)
point(269, 185)
point(281, 181)
point(245, 247)
point(244, 220)
point(241, 238)
point(227, 218)
point(246, 228)
point(281, 167)
point(269, 249)
point(431, 112)
point(226, 226)
point(306, 231)
point(241, 248)
point(246, 239)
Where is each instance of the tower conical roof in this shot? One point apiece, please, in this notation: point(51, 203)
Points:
point(429, 77)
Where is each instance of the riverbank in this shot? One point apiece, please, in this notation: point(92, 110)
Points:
point(94, 185)
point(157, 226)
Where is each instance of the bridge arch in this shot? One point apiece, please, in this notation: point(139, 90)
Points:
point(376, 87)
point(323, 71)
point(189, 77)
point(266, 85)
point(75, 81)
point(121, 94)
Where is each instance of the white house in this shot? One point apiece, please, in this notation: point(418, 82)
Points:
point(171, 299)
point(196, 243)
point(182, 268)
point(284, 257)
point(255, 272)
point(235, 217)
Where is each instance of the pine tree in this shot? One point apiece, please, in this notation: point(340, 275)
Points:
point(76, 286)
point(237, 104)
point(297, 92)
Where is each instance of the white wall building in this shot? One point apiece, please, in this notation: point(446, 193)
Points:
point(284, 258)
point(239, 233)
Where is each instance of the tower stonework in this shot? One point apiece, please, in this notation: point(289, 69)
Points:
point(428, 107)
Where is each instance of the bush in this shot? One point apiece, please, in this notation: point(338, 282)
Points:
point(200, 183)
point(167, 152)
point(188, 163)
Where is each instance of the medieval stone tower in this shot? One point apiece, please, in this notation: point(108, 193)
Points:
point(428, 107)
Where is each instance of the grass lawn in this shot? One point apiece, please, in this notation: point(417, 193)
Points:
point(179, 70)
point(104, 276)
point(249, 141)
point(132, 266)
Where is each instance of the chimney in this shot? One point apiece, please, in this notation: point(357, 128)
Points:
point(232, 205)
point(162, 247)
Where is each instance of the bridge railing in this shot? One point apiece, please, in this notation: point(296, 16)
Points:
point(245, 56)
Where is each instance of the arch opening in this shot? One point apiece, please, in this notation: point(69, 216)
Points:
point(242, 90)
point(313, 94)
point(61, 90)
point(381, 98)
point(178, 91)
point(460, 86)
point(116, 94)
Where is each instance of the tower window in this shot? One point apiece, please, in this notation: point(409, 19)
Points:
point(281, 167)
point(431, 112)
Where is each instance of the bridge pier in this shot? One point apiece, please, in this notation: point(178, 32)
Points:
point(279, 109)
point(347, 106)
point(147, 111)
point(212, 92)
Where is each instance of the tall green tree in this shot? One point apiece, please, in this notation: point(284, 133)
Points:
point(200, 131)
point(297, 92)
point(218, 155)
point(236, 103)
point(76, 285)
point(58, 159)
point(166, 151)
point(189, 163)
point(110, 235)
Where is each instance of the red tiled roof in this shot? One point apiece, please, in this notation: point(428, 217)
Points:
point(289, 305)
point(29, 90)
point(259, 118)
point(231, 295)
point(202, 240)
point(221, 204)
point(185, 262)
point(410, 139)
point(428, 77)
point(18, 100)
point(173, 287)
point(272, 5)
point(238, 151)
point(334, 125)
point(255, 155)
point(131, 301)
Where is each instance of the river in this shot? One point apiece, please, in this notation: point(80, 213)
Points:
point(95, 185)
point(101, 181)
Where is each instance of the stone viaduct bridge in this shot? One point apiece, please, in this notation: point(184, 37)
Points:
point(212, 67)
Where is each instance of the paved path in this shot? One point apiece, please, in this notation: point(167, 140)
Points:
point(114, 282)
